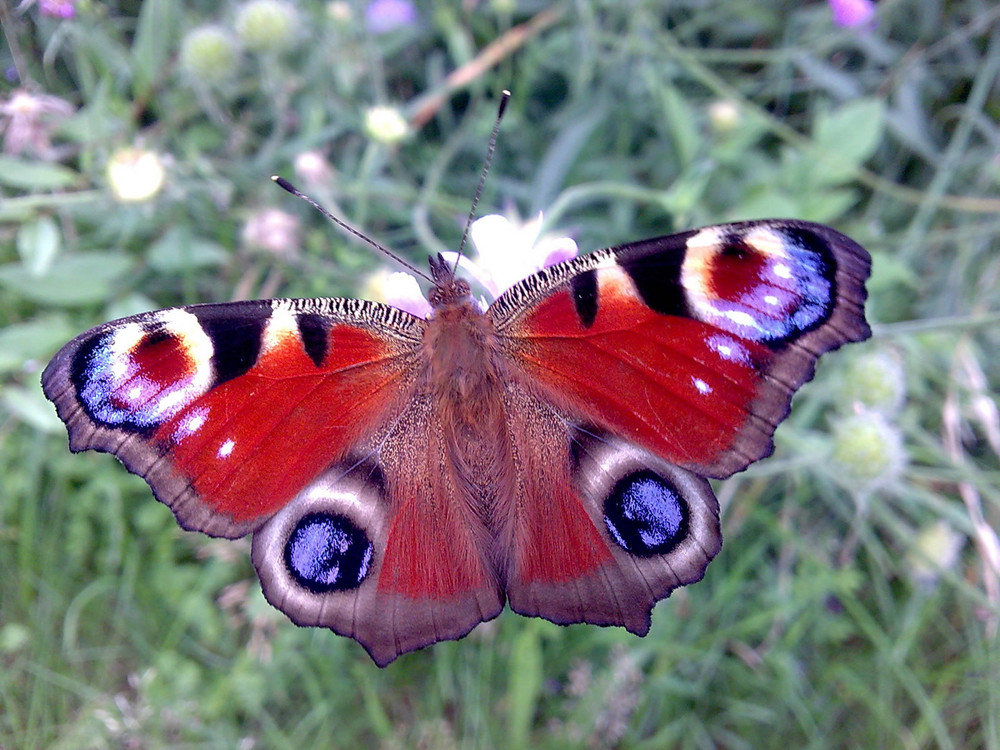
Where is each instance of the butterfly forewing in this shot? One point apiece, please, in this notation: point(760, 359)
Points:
point(691, 344)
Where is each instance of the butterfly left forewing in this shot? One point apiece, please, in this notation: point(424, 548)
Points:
point(205, 402)
point(681, 353)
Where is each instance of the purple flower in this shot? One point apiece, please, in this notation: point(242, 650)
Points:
point(852, 13)
point(28, 120)
point(386, 15)
point(58, 8)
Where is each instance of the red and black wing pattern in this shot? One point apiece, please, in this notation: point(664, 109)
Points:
point(184, 396)
point(300, 421)
point(672, 359)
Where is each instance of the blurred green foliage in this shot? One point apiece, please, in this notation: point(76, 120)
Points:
point(137, 145)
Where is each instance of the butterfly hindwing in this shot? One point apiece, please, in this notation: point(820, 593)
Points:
point(382, 549)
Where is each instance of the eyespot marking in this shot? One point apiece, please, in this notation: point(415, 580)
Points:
point(646, 514)
point(327, 552)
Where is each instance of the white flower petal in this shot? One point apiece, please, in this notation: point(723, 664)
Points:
point(509, 251)
point(504, 251)
point(402, 290)
point(494, 236)
point(530, 231)
point(554, 250)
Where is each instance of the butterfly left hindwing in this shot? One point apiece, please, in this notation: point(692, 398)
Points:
point(404, 477)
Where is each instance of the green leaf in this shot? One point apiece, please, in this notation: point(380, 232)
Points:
point(688, 190)
point(132, 303)
point(78, 280)
point(34, 175)
point(31, 407)
point(827, 204)
point(178, 250)
point(561, 155)
point(38, 244)
point(33, 340)
point(847, 137)
point(682, 125)
point(766, 204)
point(154, 39)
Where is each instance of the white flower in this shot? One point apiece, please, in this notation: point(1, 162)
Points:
point(386, 125)
point(508, 251)
point(135, 174)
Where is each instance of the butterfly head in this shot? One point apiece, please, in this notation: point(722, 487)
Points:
point(447, 289)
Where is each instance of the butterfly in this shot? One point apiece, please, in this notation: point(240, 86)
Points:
point(405, 477)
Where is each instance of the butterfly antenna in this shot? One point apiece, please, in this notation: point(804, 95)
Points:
point(504, 98)
point(286, 185)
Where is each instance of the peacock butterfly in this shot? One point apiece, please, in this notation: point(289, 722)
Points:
point(404, 477)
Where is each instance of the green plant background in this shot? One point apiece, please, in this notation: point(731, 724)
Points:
point(817, 626)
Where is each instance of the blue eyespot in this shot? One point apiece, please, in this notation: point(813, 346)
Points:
point(327, 552)
point(646, 514)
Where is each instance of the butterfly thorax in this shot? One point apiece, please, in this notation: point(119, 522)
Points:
point(463, 376)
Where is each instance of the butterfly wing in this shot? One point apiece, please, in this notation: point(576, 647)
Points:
point(290, 418)
point(650, 366)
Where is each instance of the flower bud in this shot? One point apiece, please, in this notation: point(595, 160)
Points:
point(273, 231)
point(382, 16)
point(935, 550)
point(63, 9)
point(266, 25)
point(868, 452)
point(208, 54)
point(386, 125)
point(875, 380)
point(852, 13)
point(724, 116)
point(312, 168)
point(339, 12)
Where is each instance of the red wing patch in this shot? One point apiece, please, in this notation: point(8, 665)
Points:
point(228, 411)
point(545, 512)
point(252, 443)
point(679, 387)
point(691, 345)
